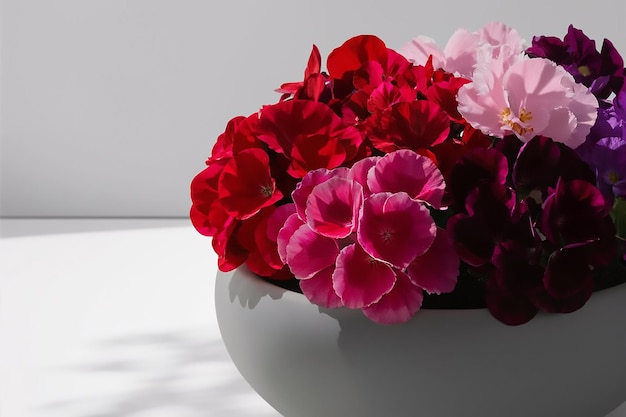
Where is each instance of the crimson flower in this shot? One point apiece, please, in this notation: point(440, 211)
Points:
point(309, 134)
point(246, 185)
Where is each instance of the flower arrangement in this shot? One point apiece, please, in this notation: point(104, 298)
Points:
point(398, 178)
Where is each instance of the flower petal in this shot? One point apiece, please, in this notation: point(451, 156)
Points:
point(332, 207)
point(319, 289)
point(395, 228)
point(399, 304)
point(285, 233)
point(437, 270)
point(303, 189)
point(359, 279)
point(408, 171)
point(308, 253)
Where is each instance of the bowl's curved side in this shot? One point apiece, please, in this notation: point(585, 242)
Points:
point(307, 361)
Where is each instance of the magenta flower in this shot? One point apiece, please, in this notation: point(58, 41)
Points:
point(308, 252)
point(437, 270)
point(360, 280)
point(353, 234)
point(409, 172)
point(394, 228)
point(399, 304)
point(333, 207)
point(303, 189)
point(319, 289)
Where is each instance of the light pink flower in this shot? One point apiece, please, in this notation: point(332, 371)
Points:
point(528, 98)
point(465, 49)
point(420, 48)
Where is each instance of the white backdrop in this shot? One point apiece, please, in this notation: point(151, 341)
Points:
point(109, 107)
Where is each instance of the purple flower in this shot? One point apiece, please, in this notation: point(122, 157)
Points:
point(609, 157)
point(605, 148)
point(602, 72)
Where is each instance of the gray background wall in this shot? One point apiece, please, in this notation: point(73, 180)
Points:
point(110, 107)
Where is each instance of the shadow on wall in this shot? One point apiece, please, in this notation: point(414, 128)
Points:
point(22, 227)
point(172, 374)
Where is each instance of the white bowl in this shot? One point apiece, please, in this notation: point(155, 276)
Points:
point(309, 361)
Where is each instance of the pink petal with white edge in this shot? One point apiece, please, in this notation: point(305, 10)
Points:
point(398, 305)
point(437, 270)
point(333, 206)
point(310, 180)
point(308, 253)
point(319, 289)
point(410, 172)
point(359, 279)
point(394, 228)
point(285, 233)
point(359, 172)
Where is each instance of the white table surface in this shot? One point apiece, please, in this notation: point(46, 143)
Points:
point(115, 318)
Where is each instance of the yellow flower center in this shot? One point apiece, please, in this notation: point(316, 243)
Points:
point(584, 70)
point(613, 177)
point(515, 124)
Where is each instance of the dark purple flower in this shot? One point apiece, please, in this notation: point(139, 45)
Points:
point(476, 166)
point(509, 306)
point(541, 162)
point(602, 72)
point(567, 272)
point(576, 216)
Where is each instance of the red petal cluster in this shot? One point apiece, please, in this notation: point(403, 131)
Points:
point(233, 197)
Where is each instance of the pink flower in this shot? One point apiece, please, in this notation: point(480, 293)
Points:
point(410, 172)
point(361, 237)
point(333, 206)
point(399, 304)
point(528, 98)
point(394, 228)
point(437, 270)
point(461, 54)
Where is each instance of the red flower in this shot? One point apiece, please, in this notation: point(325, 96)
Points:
point(309, 134)
point(315, 83)
point(245, 184)
point(206, 214)
point(414, 125)
point(345, 60)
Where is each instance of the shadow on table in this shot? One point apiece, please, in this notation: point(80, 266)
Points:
point(22, 227)
point(173, 374)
